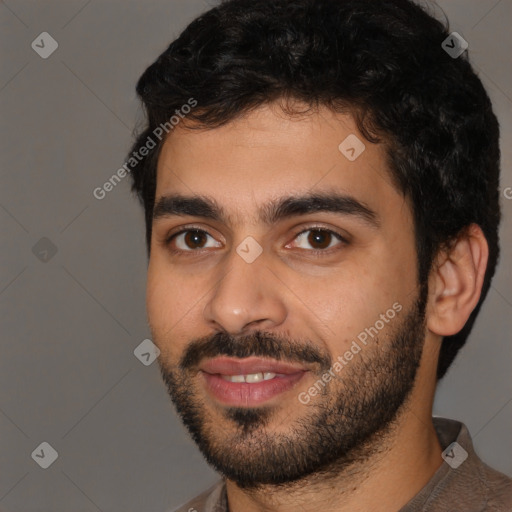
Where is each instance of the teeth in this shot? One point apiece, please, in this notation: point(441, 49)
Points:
point(254, 377)
point(236, 378)
point(249, 378)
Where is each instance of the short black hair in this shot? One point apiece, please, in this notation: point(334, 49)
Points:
point(382, 61)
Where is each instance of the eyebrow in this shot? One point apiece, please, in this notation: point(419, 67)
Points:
point(270, 213)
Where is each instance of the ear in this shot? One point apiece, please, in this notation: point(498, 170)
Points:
point(455, 282)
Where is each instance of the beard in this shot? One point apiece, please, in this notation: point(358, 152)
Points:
point(345, 423)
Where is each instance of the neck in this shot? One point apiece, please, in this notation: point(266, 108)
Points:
point(384, 475)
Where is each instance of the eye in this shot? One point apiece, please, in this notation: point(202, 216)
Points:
point(319, 239)
point(191, 240)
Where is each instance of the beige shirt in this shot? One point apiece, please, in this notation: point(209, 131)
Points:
point(462, 484)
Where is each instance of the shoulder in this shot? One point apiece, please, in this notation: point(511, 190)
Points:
point(498, 488)
point(211, 500)
point(464, 481)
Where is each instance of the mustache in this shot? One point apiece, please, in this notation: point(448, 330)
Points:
point(258, 344)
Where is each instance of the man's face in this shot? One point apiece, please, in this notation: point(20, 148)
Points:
point(254, 305)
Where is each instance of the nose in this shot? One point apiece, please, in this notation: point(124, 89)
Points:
point(247, 297)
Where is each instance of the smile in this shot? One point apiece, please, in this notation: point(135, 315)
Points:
point(250, 381)
point(251, 378)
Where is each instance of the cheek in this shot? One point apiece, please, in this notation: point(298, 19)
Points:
point(157, 296)
point(331, 308)
point(166, 299)
point(354, 297)
point(173, 301)
point(348, 306)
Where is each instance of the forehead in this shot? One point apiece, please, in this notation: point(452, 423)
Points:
point(267, 154)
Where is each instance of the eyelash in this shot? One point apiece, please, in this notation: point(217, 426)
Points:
point(313, 252)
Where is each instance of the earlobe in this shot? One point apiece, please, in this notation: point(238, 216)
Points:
point(456, 282)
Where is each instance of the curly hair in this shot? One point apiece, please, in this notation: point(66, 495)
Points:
point(380, 61)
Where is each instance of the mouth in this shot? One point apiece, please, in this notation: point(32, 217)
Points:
point(248, 382)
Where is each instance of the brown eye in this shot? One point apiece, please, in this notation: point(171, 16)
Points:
point(189, 240)
point(316, 239)
point(194, 239)
point(319, 239)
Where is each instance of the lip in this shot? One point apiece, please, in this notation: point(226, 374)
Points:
point(232, 366)
point(244, 394)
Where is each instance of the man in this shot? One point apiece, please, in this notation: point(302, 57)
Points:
point(321, 208)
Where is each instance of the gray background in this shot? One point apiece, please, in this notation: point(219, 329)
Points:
point(68, 375)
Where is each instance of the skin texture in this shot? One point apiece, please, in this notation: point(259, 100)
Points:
point(325, 300)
